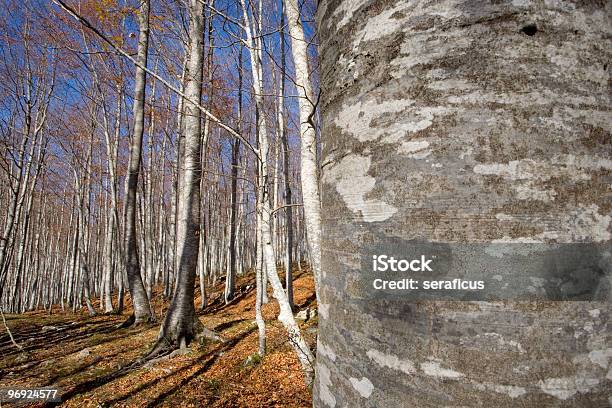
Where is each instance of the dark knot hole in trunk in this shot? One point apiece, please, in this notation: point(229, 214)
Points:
point(529, 29)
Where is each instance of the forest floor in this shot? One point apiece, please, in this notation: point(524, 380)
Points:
point(91, 360)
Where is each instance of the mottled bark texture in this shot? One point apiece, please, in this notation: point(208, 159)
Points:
point(181, 324)
point(462, 121)
point(142, 311)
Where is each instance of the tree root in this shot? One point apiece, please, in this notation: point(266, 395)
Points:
point(178, 352)
point(169, 345)
point(131, 321)
point(128, 322)
point(202, 333)
point(161, 348)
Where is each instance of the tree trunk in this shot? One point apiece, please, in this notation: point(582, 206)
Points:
point(264, 211)
point(455, 122)
point(230, 282)
point(142, 311)
point(148, 231)
point(286, 169)
point(108, 264)
point(181, 323)
point(83, 193)
point(204, 144)
point(259, 271)
point(311, 196)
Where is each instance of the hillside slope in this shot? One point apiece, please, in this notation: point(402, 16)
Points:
point(93, 361)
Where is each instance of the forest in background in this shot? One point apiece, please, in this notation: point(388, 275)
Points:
point(153, 150)
point(445, 122)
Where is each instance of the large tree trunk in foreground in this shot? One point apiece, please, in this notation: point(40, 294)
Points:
point(181, 324)
point(142, 311)
point(455, 122)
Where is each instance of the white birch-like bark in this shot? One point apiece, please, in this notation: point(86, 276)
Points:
point(286, 315)
point(311, 196)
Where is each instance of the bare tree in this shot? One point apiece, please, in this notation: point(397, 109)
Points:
point(181, 324)
point(230, 283)
point(311, 196)
point(263, 207)
point(142, 310)
point(282, 131)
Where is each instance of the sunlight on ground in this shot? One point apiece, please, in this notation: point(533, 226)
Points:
point(86, 357)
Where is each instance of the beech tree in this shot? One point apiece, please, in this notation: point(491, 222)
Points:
point(181, 324)
point(204, 147)
point(28, 93)
point(142, 310)
point(311, 196)
point(451, 123)
point(264, 212)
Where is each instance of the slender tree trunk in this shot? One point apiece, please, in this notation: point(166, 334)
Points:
point(142, 311)
point(286, 169)
point(230, 282)
point(148, 208)
point(311, 196)
point(83, 200)
point(259, 272)
point(286, 314)
point(204, 144)
point(108, 263)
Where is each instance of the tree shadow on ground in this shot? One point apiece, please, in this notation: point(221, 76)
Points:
point(82, 367)
point(210, 358)
point(46, 340)
point(76, 342)
point(207, 364)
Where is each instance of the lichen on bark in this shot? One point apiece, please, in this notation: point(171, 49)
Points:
point(474, 129)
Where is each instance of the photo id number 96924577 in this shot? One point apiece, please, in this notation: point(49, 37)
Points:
point(17, 394)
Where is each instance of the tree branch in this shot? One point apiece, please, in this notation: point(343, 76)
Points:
point(124, 53)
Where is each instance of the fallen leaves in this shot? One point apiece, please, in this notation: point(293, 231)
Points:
point(87, 359)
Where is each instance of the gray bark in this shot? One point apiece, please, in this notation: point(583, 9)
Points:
point(108, 264)
point(180, 323)
point(286, 170)
point(462, 121)
point(259, 271)
point(142, 311)
point(148, 209)
point(230, 282)
point(83, 203)
point(204, 144)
